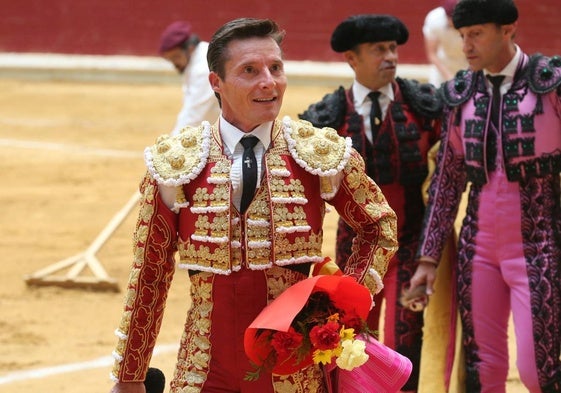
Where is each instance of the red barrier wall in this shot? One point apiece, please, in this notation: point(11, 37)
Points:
point(127, 27)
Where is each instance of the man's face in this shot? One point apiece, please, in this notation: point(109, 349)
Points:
point(178, 57)
point(486, 46)
point(374, 63)
point(254, 82)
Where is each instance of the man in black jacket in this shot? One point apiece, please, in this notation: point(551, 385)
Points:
point(393, 123)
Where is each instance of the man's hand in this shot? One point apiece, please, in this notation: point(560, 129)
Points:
point(128, 387)
point(425, 275)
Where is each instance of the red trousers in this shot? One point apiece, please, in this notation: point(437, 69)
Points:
point(211, 356)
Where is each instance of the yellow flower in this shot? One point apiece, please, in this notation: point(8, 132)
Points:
point(347, 334)
point(337, 351)
point(323, 357)
point(353, 354)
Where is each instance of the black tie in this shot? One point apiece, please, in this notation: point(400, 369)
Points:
point(375, 113)
point(249, 171)
point(495, 113)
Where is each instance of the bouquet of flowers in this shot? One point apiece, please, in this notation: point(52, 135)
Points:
point(317, 320)
point(321, 320)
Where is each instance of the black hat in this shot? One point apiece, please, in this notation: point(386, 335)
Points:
point(359, 29)
point(478, 12)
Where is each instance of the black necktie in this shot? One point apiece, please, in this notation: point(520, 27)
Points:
point(375, 113)
point(495, 110)
point(249, 171)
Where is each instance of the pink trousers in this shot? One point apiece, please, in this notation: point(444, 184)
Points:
point(499, 285)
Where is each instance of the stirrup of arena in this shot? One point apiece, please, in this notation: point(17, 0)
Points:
point(75, 265)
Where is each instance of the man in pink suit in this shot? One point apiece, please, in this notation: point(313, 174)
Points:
point(502, 134)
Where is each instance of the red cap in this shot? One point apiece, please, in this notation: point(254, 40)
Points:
point(448, 6)
point(174, 35)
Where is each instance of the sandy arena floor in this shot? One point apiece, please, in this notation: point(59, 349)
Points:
point(71, 158)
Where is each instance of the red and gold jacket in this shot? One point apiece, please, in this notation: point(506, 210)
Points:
point(304, 168)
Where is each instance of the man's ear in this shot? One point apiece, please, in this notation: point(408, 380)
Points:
point(510, 30)
point(214, 80)
point(350, 57)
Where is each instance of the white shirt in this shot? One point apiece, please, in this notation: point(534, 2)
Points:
point(231, 137)
point(436, 28)
point(508, 72)
point(199, 101)
point(363, 104)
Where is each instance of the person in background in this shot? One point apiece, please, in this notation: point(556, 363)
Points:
point(184, 49)
point(242, 202)
point(501, 134)
point(392, 123)
point(443, 44)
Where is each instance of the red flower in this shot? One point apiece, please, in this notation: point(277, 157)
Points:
point(326, 336)
point(286, 343)
point(353, 321)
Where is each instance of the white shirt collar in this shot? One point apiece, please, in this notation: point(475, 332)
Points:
point(360, 91)
point(231, 135)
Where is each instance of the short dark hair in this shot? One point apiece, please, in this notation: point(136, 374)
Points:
point(241, 28)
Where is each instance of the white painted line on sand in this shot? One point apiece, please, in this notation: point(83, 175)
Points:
point(106, 361)
point(22, 144)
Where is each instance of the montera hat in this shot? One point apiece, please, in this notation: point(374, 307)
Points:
point(478, 12)
point(359, 29)
point(175, 35)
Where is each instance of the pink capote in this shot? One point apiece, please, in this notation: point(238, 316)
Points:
point(386, 371)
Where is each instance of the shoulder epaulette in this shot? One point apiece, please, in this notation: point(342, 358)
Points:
point(329, 112)
point(423, 98)
point(544, 73)
point(176, 160)
point(320, 151)
point(458, 90)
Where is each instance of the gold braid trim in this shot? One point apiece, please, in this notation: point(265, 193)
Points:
point(176, 160)
point(320, 151)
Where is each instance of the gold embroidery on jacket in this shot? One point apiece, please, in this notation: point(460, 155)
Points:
point(195, 342)
point(308, 380)
point(201, 197)
point(220, 173)
point(140, 238)
point(321, 149)
point(176, 159)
